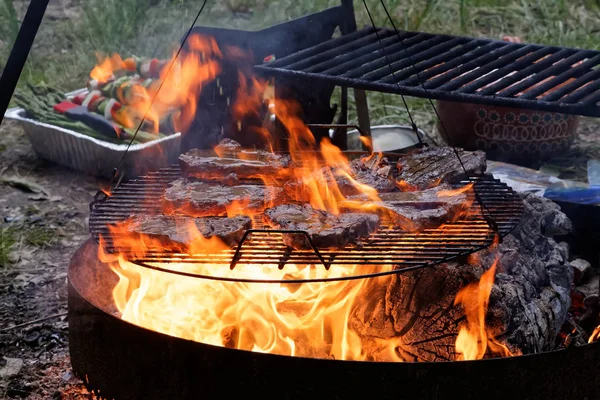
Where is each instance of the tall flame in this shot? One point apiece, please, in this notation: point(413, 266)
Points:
point(595, 335)
point(106, 67)
point(473, 340)
point(309, 319)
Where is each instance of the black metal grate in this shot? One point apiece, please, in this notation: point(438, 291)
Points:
point(387, 247)
point(447, 67)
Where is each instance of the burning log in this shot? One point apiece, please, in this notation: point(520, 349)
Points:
point(527, 305)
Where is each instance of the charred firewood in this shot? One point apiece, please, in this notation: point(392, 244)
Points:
point(528, 302)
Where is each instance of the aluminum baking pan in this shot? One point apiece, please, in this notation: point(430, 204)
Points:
point(93, 156)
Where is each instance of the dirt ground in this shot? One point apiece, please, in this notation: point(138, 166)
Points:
point(46, 214)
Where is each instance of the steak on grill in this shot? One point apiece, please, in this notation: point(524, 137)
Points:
point(175, 233)
point(421, 209)
point(323, 228)
point(371, 170)
point(430, 166)
point(201, 199)
point(230, 158)
point(368, 170)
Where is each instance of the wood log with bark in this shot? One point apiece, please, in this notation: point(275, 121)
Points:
point(528, 303)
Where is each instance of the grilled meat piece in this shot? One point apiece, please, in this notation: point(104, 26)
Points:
point(430, 166)
point(371, 170)
point(201, 199)
point(324, 229)
point(230, 158)
point(176, 234)
point(421, 209)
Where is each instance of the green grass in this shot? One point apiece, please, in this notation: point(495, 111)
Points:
point(65, 49)
point(7, 241)
point(30, 235)
point(38, 236)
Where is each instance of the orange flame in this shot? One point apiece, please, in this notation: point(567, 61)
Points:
point(106, 67)
point(455, 192)
point(473, 340)
point(309, 320)
point(367, 141)
point(317, 175)
point(405, 186)
point(595, 335)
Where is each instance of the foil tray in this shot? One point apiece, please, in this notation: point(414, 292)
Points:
point(93, 156)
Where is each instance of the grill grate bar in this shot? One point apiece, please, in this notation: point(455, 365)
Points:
point(444, 70)
point(438, 82)
point(547, 76)
point(417, 53)
point(574, 72)
point(594, 98)
point(363, 58)
point(545, 64)
point(452, 68)
point(586, 89)
point(312, 63)
point(572, 86)
point(322, 47)
point(422, 66)
point(498, 69)
point(348, 60)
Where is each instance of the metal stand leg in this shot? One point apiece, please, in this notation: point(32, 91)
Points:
point(20, 51)
point(362, 111)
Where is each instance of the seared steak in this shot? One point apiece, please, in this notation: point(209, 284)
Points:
point(324, 229)
point(368, 170)
point(230, 158)
point(176, 234)
point(431, 166)
point(421, 209)
point(212, 199)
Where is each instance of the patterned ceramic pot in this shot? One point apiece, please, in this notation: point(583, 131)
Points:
point(507, 134)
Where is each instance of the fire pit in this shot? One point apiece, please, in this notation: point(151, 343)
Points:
point(377, 309)
point(121, 360)
point(269, 251)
